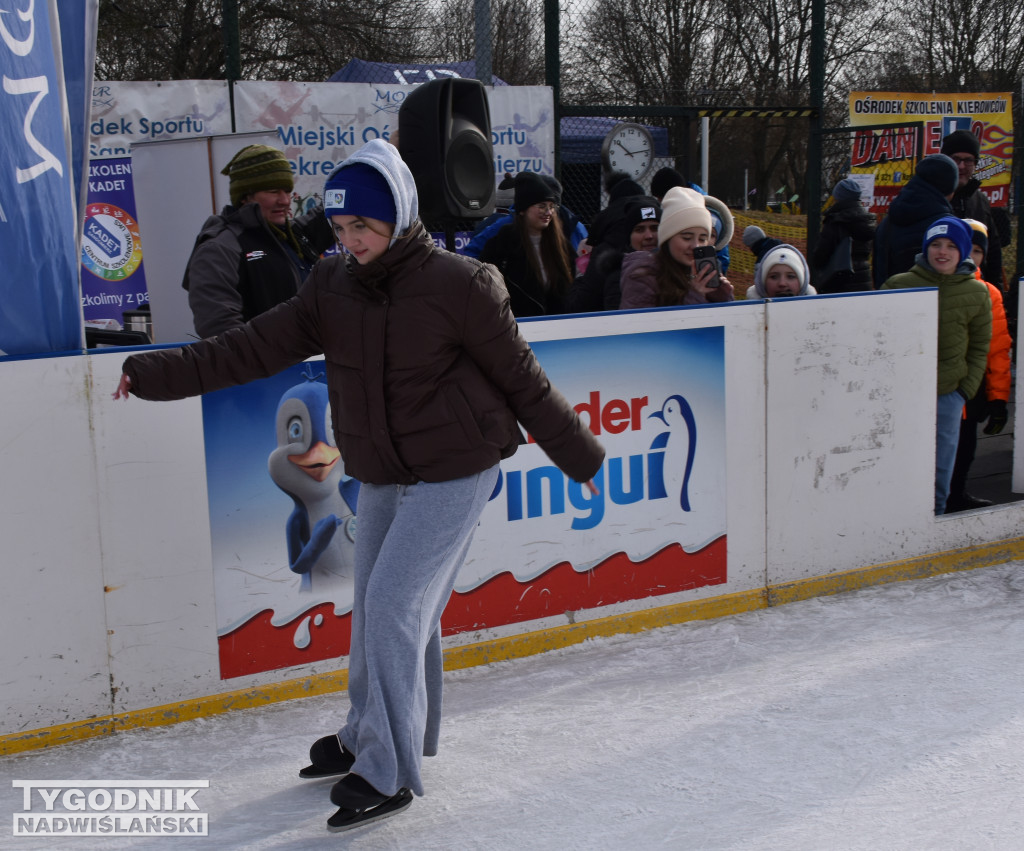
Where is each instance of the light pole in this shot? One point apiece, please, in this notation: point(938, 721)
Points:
point(817, 85)
point(232, 52)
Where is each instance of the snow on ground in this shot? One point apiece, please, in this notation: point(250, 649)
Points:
point(888, 718)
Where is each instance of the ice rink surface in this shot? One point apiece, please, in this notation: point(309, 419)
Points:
point(888, 718)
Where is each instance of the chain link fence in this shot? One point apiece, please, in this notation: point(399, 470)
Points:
point(677, 136)
point(728, 80)
point(744, 67)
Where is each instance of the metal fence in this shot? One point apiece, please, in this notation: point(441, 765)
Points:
point(663, 65)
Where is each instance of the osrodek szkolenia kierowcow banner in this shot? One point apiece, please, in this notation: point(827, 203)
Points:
point(915, 126)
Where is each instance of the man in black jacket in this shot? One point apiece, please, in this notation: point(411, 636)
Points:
point(924, 199)
point(969, 202)
point(252, 256)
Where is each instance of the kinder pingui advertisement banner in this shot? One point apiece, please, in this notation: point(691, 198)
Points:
point(915, 126)
point(284, 515)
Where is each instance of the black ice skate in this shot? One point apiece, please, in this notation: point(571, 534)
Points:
point(361, 804)
point(328, 757)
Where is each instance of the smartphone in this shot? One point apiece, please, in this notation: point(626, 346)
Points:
point(706, 255)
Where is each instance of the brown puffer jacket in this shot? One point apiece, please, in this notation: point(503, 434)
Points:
point(426, 370)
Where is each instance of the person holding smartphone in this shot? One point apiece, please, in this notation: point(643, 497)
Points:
point(684, 270)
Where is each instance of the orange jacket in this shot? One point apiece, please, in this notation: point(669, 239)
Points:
point(997, 372)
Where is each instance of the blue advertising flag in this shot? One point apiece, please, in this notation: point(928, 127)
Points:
point(79, 58)
point(40, 309)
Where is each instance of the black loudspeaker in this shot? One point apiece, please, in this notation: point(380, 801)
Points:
point(444, 136)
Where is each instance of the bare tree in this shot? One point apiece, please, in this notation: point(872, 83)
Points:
point(654, 53)
point(315, 39)
point(727, 53)
point(184, 39)
point(650, 52)
point(733, 53)
point(773, 41)
point(954, 46)
point(149, 40)
point(516, 46)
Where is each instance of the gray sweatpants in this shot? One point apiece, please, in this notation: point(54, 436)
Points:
point(411, 541)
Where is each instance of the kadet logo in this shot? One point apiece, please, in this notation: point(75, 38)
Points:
point(622, 480)
point(111, 245)
point(110, 808)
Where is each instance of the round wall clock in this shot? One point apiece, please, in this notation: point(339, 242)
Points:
point(628, 147)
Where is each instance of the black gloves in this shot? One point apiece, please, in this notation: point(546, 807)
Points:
point(997, 416)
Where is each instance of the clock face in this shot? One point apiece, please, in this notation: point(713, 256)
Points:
point(628, 148)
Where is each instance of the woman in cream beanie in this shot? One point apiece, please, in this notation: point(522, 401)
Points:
point(666, 277)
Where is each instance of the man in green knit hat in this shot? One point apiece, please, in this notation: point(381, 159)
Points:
point(253, 255)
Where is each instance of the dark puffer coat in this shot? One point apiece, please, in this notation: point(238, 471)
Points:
point(899, 237)
point(969, 202)
point(426, 370)
point(846, 218)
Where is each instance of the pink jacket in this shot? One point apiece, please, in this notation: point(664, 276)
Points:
point(640, 289)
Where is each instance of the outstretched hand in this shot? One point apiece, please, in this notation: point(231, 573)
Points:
point(123, 388)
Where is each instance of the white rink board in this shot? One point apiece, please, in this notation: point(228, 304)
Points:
point(109, 604)
point(53, 652)
point(850, 462)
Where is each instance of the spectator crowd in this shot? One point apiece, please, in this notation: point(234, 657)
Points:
point(668, 246)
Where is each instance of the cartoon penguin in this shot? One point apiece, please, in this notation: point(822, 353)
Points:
point(679, 443)
point(307, 466)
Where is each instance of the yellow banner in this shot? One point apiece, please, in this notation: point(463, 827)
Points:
point(915, 126)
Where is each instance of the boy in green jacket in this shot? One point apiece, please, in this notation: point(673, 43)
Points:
point(965, 328)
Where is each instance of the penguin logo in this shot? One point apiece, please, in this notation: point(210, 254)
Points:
point(306, 465)
point(679, 442)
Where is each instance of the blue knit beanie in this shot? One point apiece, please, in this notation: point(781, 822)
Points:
point(951, 228)
point(359, 190)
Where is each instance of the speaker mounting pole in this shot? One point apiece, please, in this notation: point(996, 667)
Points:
point(482, 40)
